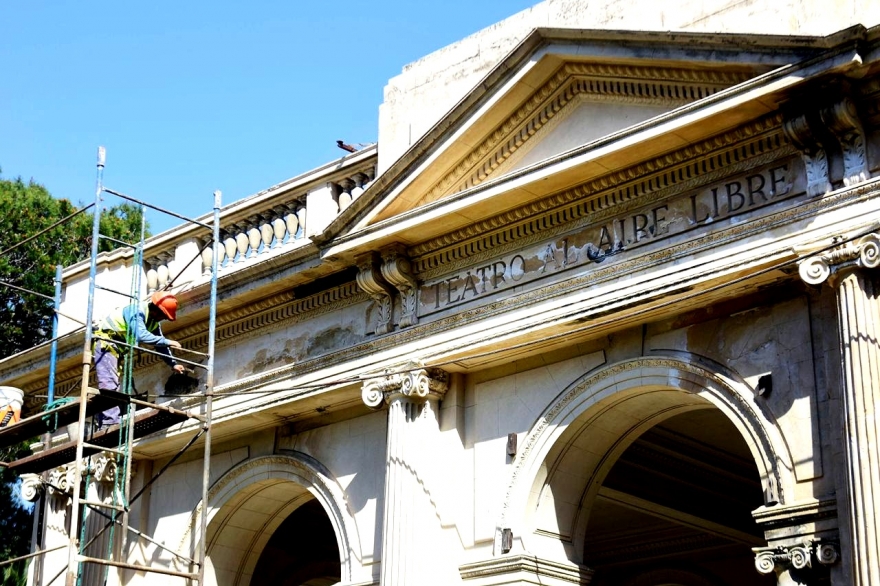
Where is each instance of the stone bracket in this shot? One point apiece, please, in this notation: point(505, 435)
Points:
point(397, 270)
point(371, 281)
point(843, 121)
point(839, 121)
point(800, 133)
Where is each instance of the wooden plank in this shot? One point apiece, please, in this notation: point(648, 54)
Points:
point(36, 425)
point(147, 422)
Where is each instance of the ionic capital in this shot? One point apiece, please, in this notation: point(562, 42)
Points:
point(861, 253)
point(416, 383)
point(31, 486)
point(801, 556)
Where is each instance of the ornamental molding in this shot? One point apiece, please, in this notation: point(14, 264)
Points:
point(598, 275)
point(559, 572)
point(751, 145)
point(614, 374)
point(809, 554)
point(416, 383)
point(580, 81)
point(236, 325)
point(293, 466)
point(861, 253)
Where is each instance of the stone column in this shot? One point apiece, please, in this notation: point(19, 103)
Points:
point(859, 326)
point(412, 396)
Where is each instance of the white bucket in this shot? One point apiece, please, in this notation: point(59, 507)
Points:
point(11, 400)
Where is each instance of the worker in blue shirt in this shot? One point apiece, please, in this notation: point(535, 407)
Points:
point(144, 321)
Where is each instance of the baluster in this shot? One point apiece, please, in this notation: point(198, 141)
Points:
point(358, 189)
point(301, 216)
point(279, 227)
point(163, 270)
point(345, 197)
point(230, 247)
point(208, 255)
point(292, 223)
point(241, 241)
point(152, 275)
point(267, 232)
point(254, 236)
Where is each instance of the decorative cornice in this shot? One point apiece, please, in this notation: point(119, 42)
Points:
point(416, 383)
point(238, 324)
point(693, 165)
point(798, 513)
point(863, 253)
point(619, 83)
point(597, 276)
point(800, 557)
point(559, 572)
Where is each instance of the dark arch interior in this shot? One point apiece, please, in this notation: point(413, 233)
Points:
point(301, 552)
point(677, 506)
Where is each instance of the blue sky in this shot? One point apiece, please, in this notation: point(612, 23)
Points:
point(189, 97)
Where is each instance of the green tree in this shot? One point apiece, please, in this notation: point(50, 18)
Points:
point(25, 209)
point(26, 319)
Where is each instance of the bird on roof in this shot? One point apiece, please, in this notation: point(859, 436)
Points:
point(346, 147)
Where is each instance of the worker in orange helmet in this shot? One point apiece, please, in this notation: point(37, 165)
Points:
point(143, 320)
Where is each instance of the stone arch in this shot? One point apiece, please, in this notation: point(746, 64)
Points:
point(621, 401)
point(249, 478)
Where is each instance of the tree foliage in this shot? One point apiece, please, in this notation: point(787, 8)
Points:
point(28, 208)
point(26, 319)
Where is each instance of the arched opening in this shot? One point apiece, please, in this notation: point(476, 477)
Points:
point(282, 516)
point(675, 508)
point(641, 445)
point(301, 552)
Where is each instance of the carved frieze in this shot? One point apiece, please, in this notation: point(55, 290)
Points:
point(414, 382)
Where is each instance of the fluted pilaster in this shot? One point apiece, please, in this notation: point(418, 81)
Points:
point(412, 398)
point(859, 327)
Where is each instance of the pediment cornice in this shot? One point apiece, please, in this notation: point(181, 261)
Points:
point(572, 84)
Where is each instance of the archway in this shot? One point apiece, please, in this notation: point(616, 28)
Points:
point(251, 502)
point(301, 552)
point(675, 509)
point(559, 477)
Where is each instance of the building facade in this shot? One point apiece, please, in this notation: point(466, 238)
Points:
point(600, 308)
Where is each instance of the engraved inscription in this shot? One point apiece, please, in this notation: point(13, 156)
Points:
point(596, 243)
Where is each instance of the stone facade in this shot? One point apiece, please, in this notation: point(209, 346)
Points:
point(610, 318)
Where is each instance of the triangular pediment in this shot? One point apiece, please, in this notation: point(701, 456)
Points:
point(607, 99)
point(579, 103)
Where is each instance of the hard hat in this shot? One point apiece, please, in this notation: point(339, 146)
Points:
point(166, 302)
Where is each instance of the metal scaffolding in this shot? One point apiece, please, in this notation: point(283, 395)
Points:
point(137, 419)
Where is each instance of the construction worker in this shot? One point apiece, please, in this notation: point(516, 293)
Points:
point(144, 321)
